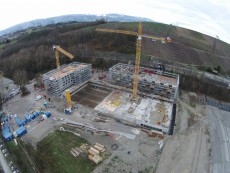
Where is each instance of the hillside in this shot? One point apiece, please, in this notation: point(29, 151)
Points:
point(71, 18)
point(32, 52)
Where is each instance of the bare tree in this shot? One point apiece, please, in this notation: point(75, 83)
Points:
point(20, 77)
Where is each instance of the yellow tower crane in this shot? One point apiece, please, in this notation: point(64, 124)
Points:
point(138, 51)
point(58, 49)
point(68, 98)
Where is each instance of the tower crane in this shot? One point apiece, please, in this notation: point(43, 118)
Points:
point(58, 49)
point(68, 98)
point(139, 36)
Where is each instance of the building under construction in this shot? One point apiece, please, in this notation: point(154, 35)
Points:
point(153, 82)
point(57, 80)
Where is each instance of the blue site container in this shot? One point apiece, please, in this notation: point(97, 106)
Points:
point(6, 125)
point(28, 119)
point(5, 119)
point(18, 121)
point(5, 131)
point(7, 134)
point(23, 122)
point(21, 131)
point(48, 114)
point(32, 116)
point(39, 112)
point(35, 114)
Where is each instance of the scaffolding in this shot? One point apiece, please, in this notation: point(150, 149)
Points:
point(57, 80)
point(151, 81)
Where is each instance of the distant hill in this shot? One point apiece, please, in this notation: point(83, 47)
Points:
point(71, 18)
point(32, 50)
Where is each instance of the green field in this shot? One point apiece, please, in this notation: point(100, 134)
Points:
point(18, 157)
point(53, 154)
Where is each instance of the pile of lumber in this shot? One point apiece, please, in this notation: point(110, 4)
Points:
point(153, 133)
point(99, 147)
point(95, 151)
point(75, 151)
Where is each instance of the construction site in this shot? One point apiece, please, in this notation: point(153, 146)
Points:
point(57, 80)
point(152, 82)
point(127, 111)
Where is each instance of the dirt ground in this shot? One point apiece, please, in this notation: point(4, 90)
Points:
point(188, 150)
point(128, 157)
point(90, 95)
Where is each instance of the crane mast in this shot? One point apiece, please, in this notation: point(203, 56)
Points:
point(137, 61)
point(58, 49)
point(139, 36)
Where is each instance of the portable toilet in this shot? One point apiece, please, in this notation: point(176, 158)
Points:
point(21, 131)
point(45, 104)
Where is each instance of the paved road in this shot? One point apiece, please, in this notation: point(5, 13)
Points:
point(220, 132)
point(4, 165)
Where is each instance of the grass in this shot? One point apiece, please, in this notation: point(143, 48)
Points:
point(18, 157)
point(195, 43)
point(192, 102)
point(197, 35)
point(191, 119)
point(54, 154)
point(2, 46)
point(152, 28)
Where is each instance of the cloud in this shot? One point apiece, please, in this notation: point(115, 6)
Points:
point(211, 17)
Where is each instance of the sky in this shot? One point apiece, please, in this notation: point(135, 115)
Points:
point(211, 17)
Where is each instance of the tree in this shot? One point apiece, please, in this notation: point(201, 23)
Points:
point(20, 77)
point(217, 68)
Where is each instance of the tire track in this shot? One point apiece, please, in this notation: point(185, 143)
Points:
point(197, 151)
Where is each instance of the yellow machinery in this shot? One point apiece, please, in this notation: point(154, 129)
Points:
point(59, 49)
point(138, 51)
point(68, 98)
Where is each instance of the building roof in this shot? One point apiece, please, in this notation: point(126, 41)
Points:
point(150, 75)
point(64, 70)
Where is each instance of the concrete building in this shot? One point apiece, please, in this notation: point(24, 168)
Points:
point(150, 113)
point(57, 80)
point(153, 82)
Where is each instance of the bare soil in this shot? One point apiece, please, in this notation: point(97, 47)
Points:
point(90, 95)
point(189, 149)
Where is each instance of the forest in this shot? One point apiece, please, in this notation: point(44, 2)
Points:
point(32, 54)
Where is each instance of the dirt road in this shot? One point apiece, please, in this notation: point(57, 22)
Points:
point(220, 132)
